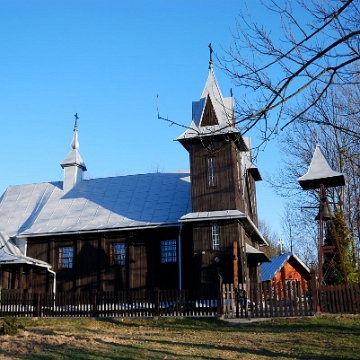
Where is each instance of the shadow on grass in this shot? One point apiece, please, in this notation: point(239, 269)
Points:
point(285, 343)
point(341, 325)
point(136, 352)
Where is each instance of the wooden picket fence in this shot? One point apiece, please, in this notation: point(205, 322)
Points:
point(266, 300)
point(339, 299)
point(142, 303)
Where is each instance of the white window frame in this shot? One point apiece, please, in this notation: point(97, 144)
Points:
point(211, 172)
point(168, 251)
point(215, 236)
point(118, 253)
point(66, 257)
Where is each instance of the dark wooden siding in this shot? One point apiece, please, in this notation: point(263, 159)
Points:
point(250, 197)
point(226, 194)
point(188, 258)
point(113, 277)
point(92, 268)
point(208, 262)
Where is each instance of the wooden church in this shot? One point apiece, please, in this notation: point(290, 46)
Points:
point(169, 230)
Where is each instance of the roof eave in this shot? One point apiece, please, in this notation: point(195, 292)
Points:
point(97, 231)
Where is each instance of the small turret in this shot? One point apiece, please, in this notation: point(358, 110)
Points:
point(73, 164)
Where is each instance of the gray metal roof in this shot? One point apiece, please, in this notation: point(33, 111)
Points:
point(256, 254)
point(249, 166)
point(212, 215)
point(320, 173)
point(73, 158)
point(10, 254)
point(245, 220)
point(156, 199)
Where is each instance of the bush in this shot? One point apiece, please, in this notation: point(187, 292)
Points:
point(10, 326)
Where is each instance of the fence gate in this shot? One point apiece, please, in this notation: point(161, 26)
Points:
point(267, 300)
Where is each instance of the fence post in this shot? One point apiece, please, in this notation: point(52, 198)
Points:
point(237, 301)
point(156, 301)
point(37, 301)
point(219, 294)
point(314, 292)
point(94, 303)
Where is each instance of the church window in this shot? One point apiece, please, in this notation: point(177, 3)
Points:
point(168, 251)
point(66, 255)
point(211, 172)
point(117, 254)
point(215, 236)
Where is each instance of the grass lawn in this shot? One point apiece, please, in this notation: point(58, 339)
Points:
point(110, 339)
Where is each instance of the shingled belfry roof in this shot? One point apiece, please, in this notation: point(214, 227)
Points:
point(320, 173)
point(223, 112)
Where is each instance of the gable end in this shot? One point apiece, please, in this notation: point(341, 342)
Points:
point(209, 116)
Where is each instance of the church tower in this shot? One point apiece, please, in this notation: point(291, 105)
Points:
point(224, 217)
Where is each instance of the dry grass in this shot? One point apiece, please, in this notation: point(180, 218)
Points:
point(110, 339)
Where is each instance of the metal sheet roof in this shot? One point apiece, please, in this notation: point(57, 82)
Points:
point(269, 270)
point(212, 215)
point(247, 161)
point(258, 255)
point(73, 158)
point(10, 254)
point(245, 220)
point(156, 199)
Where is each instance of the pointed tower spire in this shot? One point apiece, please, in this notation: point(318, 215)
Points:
point(320, 173)
point(73, 164)
point(212, 115)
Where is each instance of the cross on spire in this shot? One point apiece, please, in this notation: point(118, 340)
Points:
point(211, 51)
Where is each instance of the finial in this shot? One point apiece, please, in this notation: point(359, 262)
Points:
point(75, 143)
point(76, 119)
point(210, 62)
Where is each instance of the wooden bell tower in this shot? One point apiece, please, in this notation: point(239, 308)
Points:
point(219, 202)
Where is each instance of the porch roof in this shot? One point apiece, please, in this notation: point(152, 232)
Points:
point(256, 254)
point(245, 220)
point(10, 254)
point(9, 259)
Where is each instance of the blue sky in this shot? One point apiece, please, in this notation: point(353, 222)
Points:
point(107, 61)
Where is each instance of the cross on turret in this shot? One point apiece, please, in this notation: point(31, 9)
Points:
point(280, 242)
point(76, 119)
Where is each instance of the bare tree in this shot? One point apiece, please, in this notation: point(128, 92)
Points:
point(300, 232)
point(320, 42)
point(340, 107)
point(271, 237)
